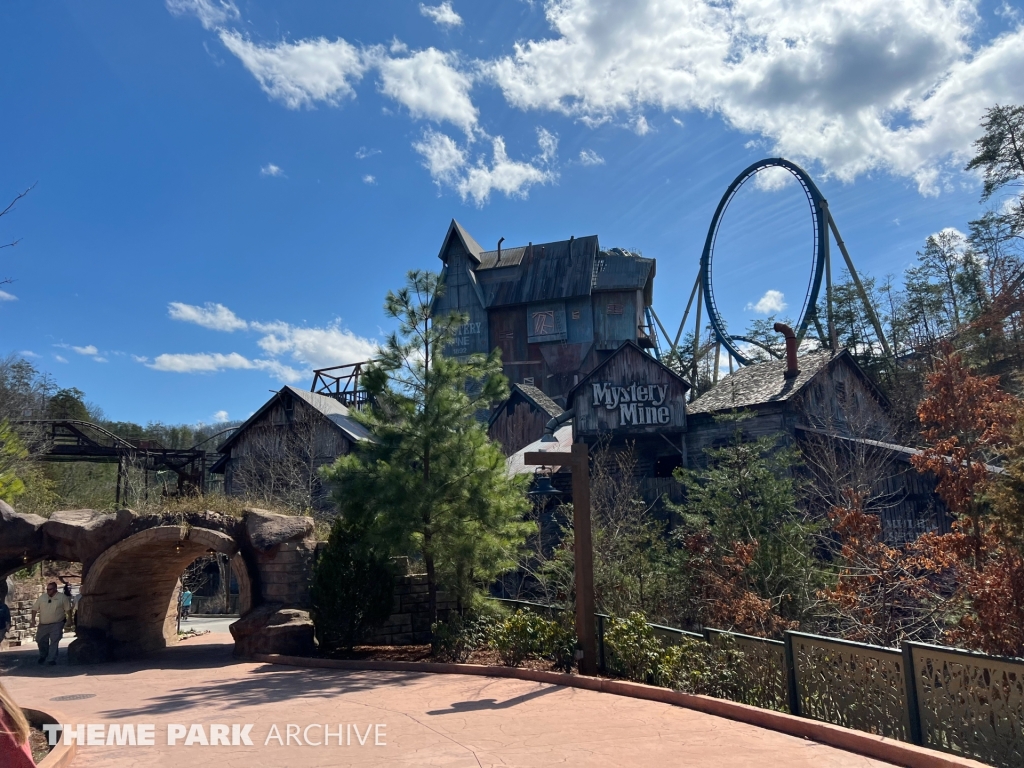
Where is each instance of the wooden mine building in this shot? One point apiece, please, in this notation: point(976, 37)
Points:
point(555, 310)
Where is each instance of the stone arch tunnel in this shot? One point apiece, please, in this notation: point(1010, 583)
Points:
point(130, 569)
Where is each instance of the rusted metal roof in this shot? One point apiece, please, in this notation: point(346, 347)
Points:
point(760, 384)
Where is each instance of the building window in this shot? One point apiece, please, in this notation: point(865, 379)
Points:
point(528, 381)
point(614, 309)
point(544, 323)
point(575, 314)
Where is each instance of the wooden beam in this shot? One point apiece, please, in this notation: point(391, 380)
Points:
point(548, 457)
point(579, 461)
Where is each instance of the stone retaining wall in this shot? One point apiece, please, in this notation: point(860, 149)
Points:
point(409, 623)
point(20, 633)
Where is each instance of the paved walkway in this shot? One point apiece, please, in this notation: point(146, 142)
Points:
point(426, 720)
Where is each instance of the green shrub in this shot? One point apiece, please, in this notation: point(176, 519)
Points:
point(454, 640)
point(519, 637)
point(696, 666)
point(636, 652)
point(559, 642)
point(352, 590)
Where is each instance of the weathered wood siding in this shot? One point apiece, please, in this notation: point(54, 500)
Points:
point(518, 424)
point(616, 317)
point(839, 399)
point(288, 428)
point(631, 394)
point(462, 295)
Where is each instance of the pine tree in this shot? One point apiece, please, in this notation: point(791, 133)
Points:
point(432, 483)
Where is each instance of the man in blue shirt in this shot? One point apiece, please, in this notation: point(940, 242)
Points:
point(186, 604)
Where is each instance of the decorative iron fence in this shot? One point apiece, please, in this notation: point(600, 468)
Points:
point(957, 701)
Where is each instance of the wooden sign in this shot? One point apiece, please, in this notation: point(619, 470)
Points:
point(630, 392)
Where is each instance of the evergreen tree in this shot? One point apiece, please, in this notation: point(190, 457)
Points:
point(1001, 158)
point(432, 483)
point(744, 504)
point(353, 587)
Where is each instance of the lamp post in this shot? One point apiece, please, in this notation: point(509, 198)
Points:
point(579, 462)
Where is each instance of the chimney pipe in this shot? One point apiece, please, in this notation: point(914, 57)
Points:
point(785, 330)
point(500, 241)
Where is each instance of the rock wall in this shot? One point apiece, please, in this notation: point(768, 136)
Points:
point(409, 623)
point(20, 632)
point(131, 564)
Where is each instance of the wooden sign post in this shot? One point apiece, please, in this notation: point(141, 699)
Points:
point(579, 462)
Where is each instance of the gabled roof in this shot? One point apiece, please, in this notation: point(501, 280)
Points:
point(473, 248)
point(336, 413)
point(572, 392)
point(538, 399)
point(766, 383)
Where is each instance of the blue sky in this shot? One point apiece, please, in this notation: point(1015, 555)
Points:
point(226, 190)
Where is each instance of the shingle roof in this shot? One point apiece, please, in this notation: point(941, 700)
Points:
point(539, 399)
point(760, 384)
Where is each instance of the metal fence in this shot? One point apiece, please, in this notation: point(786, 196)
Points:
point(957, 701)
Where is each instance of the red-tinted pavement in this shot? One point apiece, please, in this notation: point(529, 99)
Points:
point(424, 719)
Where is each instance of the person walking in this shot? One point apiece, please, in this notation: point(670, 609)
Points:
point(15, 749)
point(54, 610)
point(186, 604)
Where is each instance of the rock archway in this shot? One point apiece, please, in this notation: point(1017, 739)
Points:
point(131, 564)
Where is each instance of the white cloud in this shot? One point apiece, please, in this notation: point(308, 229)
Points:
point(877, 84)
point(362, 153)
point(216, 317)
point(430, 85)
point(442, 157)
point(639, 125)
point(773, 179)
point(449, 166)
point(5, 296)
point(443, 15)
point(771, 303)
point(369, 179)
point(211, 13)
point(88, 349)
point(28, 353)
point(200, 362)
point(305, 348)
point(590, 157)
point(270, 170)
point(213, 362)
point(220, 417)
point(302, 73)
point(315, 347)
point(99, 359)
point(60, 359)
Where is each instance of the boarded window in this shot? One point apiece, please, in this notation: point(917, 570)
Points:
point(614, 309)
point(528, 381)
point(575, 314)
point(545, 322)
